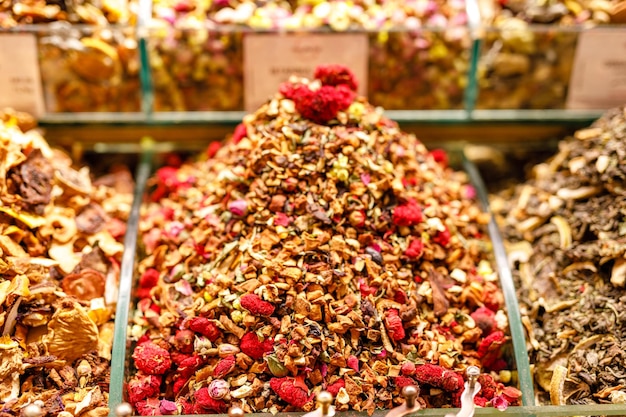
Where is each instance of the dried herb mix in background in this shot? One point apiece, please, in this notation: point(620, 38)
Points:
point(566, 231)
point(337, 254)
point(60, 248)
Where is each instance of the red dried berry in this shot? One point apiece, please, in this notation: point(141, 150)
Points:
point(183, 341)
point(291, 91)
point(178, 357)
point(394, 325)
point(255, 305)
point(239, 133)
point(440, 156)
point(286, 389)
point(485, 319)
point(439, 377)
point(491, 343)
point(319, 106)
point(212, 149)
point(152, 359)
point(442, 238)
point(403, 381)
point(335, 74)
point(487, 386)
point(252, 346)
point(480, 401)
point(149, 278)
point(336, 386)
point(149, 407)
point(190, 365)
point(143, 293)
point(344, 96)
point(407, 214)
point(179, 384)
point(204, 400)
point(143, 386)
point(224, 367)
point(415, 249)
point(205, 327)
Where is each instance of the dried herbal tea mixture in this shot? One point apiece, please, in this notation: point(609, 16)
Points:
point(320, 248)
point(60, 247)
point(566, 232)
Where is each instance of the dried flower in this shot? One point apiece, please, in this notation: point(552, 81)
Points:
point(167, 407)
point(500, 403)
point(286, 389)
point(183, 341)
point(353, 362)
point(204, 400)
point(408, 368)
point(255, 305)
point(218, 389)
point(485, 319)
point(490, 350)
point(152, 359)
point(238, 207)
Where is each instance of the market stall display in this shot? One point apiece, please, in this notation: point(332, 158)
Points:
point(196, 49)
point(566, 232)
point(60, 249)
point(319, 248)
point(528, 47)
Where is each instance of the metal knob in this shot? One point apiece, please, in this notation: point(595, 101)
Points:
point(472, 372)
point(33, 410)
point(235, 412)
point(410, 394)
point(123, 410)
point(324, 400)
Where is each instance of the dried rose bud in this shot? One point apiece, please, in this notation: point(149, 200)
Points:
point(353, 362)
point(218, 389)
point(238, 207)
point(255, 305)
point(408, 368)
point(168, 408)
point(485, 319)
point(500, 403)
point(224, 367)
point(252, 346)
point(204, 400)
point(183, 341)
point(276, 367)
point(205, 327)
point(225, 349)
point(152, 359)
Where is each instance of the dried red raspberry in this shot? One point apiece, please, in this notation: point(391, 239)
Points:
point(252, 346)
point(334, 75)
point(443, 238)
point(415, 249)
point(205, 327)
point(319, 106)
point(336, 386)
point(439, 377)
point(143, 386)
point(152, 359)
point(149, 278)
point(190, 365)
point(286, 389)
point(255, 305)
point(440, 156)
point(224, 367)
point(394, 324)
point(403, 381)
point(149, 407)
point(204, 400)
point(407, 214)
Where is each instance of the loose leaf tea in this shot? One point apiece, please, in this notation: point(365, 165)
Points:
point(566, 232)
point(60, 248)
point(320, 248)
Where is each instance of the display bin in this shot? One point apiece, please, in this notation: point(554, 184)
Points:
point(87, 68)
point(196, 70)
point(123, 343)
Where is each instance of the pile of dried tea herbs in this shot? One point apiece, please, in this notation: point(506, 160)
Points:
point(566, 232)
point(320, 248)
point(60, 249)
